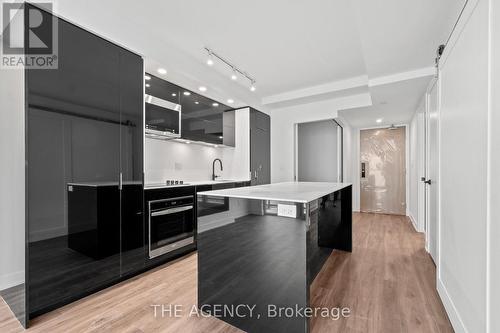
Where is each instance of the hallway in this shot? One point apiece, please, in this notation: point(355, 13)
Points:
point(388, 282)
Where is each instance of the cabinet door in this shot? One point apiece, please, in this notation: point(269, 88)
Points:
point(260, 148)
point(201, 118)
point(73, 131)
point(228, 131)
point(131, 162)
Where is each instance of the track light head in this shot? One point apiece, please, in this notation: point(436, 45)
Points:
point(210, 60)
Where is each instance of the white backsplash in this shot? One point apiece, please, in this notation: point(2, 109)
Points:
point(165, 160)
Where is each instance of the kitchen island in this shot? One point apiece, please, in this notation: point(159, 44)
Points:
point(256, 261)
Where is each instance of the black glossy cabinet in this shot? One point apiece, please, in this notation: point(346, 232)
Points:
point(207, 205)
point(260, 147)
point(203, 119)
point(93, 218)
point(84, 127)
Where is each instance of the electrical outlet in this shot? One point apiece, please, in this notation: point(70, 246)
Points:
point(287, 210)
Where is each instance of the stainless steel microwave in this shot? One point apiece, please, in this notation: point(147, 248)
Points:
point(163, 118)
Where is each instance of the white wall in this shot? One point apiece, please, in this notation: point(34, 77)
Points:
point(494, 166)
point(12, 207)
point(416, 165)
point(317, 151)
point(283, 121)
point(166, 160)
point(462, 254)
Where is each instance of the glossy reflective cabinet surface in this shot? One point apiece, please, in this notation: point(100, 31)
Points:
point(84, 138)
point(253, 256)
point(260, 148)
point(202, 118)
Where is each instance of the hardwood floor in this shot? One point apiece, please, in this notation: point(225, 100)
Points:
point(388, 282)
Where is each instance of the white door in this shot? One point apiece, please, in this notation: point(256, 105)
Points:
point(432, 167)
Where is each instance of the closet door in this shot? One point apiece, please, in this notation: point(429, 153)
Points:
point(131, 163)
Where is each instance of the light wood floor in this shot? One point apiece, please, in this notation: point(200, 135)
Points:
point(388, 282)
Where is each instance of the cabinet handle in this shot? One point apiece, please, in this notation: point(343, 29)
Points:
point(171, 211)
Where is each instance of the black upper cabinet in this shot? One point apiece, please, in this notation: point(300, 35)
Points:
point(84, 133)
point(162, 89)
point(202, 117)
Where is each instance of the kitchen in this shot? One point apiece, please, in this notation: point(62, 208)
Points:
point(95, 234)
point(240, 167)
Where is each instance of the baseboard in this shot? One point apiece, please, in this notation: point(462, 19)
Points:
point(413, 222)
point(451, 310)
point(11, 279)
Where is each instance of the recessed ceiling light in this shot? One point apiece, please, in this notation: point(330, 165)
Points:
point(234, 77)
point(230, 101)
point(252, 88)
point(147, 77)
point(196, 102)
point(186, 93)
point(148, 85)
point(162, 71)
point(379, 120)
point(221, 137)
point(215, 104)
point(174, 94)
point(188, 142)
point(215, 146)
point(202, 88)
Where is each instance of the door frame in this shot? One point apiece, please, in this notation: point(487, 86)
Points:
point(407, 163)
point(435, 83)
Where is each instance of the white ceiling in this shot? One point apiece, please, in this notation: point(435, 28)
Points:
point(402, 35)
point(394, 103)
point(298, 51)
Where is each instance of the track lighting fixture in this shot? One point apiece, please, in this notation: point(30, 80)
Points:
point(235, 70)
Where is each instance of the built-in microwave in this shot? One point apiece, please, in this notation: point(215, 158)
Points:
point(163, 118)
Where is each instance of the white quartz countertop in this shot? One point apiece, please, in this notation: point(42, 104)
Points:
point(292, 191)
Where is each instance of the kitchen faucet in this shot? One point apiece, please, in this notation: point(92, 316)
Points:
point(213, 168)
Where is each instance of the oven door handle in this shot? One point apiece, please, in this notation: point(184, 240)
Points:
point(171, 211)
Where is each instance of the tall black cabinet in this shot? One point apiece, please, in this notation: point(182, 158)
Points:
point(84, 152)
point(260, 147)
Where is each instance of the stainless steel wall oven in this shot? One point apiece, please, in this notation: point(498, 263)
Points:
point(171, 224)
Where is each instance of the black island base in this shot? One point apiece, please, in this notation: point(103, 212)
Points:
point(256, 261)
